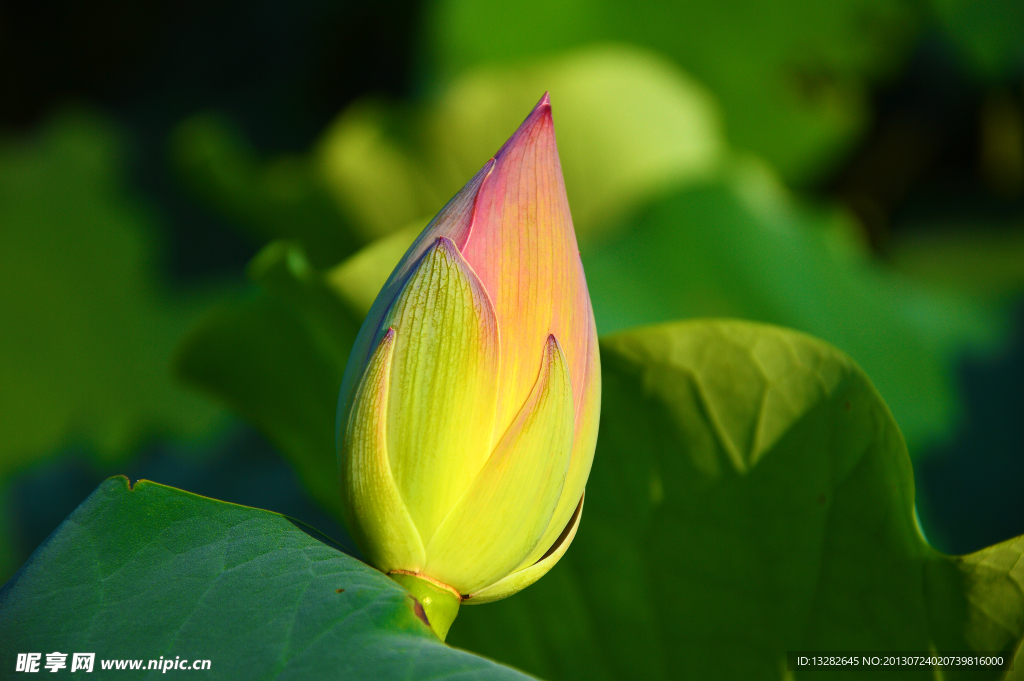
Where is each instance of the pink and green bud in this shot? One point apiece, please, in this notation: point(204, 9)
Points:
point(469, 409)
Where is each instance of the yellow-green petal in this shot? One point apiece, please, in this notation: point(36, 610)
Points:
point(504, 513)
point(444, 380)
point(588, 416)
point(519, 580)
point(376, 515)
point(453, 222)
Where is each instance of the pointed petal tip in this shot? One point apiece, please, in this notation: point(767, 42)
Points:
point(449, 247)
point(540, 116)
point(444, 242)
point(552, 346)
point(541, 111)
point(553, 354)
point(387, 340)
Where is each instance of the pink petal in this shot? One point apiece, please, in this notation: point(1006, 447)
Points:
point(521, 244)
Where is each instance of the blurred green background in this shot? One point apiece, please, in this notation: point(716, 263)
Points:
point(852, 169)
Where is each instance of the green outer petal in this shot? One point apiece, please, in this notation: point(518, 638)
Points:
point(444, 385)
point(376, 514)
point(440, 606)
point(519, 580)
point(504, 513)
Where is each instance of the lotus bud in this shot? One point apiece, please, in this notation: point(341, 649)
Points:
point(469, 408)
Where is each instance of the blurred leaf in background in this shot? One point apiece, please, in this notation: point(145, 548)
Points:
point(282, 198)
point(87, 325)
point(988, 33)
point(10, 556)
point(277, 358)
point(977, 259)
point(88, 330)
point(742, 246)
point(365, 162)
point(671, 222)
point(792, 77)
point(630, 124)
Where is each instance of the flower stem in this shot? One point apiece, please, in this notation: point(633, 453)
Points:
point(440, 604)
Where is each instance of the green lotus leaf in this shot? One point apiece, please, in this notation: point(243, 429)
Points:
point(152, 571)
point(751, 495)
